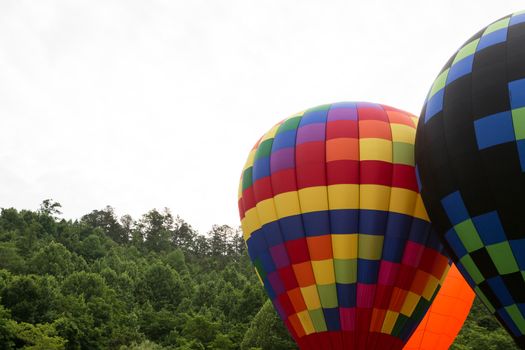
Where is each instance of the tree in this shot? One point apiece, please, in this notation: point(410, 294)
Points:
point(53, 259)
point(50, 208)
point(108, 222)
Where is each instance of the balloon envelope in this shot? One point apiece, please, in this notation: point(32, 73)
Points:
point(446, 315)
point(336, 228)
point(470, 155)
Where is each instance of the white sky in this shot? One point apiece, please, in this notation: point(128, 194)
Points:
point(147, 104)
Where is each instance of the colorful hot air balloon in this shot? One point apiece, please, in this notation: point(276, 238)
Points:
point(336, 228)
point(446, 315)
point(470, 156)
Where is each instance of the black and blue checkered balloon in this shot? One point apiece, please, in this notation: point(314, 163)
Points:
point(470, 158)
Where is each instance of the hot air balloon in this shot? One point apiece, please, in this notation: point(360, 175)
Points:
point(470, 156)
point(446, 315)
point(336, 229)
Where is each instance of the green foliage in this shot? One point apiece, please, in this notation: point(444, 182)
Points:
point(104, 282)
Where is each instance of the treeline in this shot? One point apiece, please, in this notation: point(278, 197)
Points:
point(104, 282)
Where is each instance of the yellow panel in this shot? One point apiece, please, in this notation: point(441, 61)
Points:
point(389, 322)
point(324, 271)
point(430, 288)
point(239, 191)
point(375, 149)
point(445, 274)
point(287, 204)
point(344, 246)
point(370, 247)
point(415, 120)
point(266, 211)
point(306, 321)
point(343, 196)
point(374, 197)
point(258, 276)
point(250, 223)
point(250, 160)
point(270, 134)
point(311, 297)
point(420, 211)
point(410, 304)
point(313, 199)
point(402, 201)
point(403, 133)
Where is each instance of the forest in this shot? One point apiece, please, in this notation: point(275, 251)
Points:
point(109, 282)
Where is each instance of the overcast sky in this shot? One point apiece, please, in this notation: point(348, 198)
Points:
point(152, 104)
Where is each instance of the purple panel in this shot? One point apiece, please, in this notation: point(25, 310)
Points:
point(310, 133)
point(279, 308)
point(282, 159)
point(342, 114)
point(279, 255)
point(276, 283)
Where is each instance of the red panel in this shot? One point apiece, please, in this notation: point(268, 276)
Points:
point(405, 277)
point(297, 250)
point(342, 172)
point(376, 172)
point(288, 277)
point(284, 181)
point(341, 128)
point(428, 259)
point(313, 174)
point(248, 198)
point(286, 304)
point(372, 114)
point(382, 297)
point(262, 189)
point(310, 152)
point(404, 177)
point(240, 204)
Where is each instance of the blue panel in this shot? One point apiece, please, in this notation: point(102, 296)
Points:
point(311, 117)
point(517, 93)
point(522, 308)
point(339, 105)
point(316, 223)
point(393, 248)
point(331, 316)
point(434, 105)
point(372, 222)
point(502, 293)
point(398, 225)
point(489, 228)
point(455, 243)
point(344, 221)
point(521, 152)
point(516, 20)
point(418, 179)
point(256, 243)
point(272, 233)
point(508, 321)
point(460, 69)
point(518, 249)
point(346, 294)
point(269, 290)
point(367, 271)
point(261, 168)
point(494, 130)
point(292, 227)
point(267, 261)
point(493, 38)
point(455, 208)
point(285, 139)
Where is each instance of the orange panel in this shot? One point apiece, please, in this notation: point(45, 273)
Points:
point(446, 316)
point(304, 274)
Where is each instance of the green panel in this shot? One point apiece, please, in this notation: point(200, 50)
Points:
point(466, 50)
point(501, 254)
point(289, 124)
point(502, 23)
point(320, 108)
point(370, 246)
point(400, 325)
point(518, 120)
point(345, 270)
point(403, 153)
point(264, 149)
point(328, 295)
point(472, 269)
point(469, 235)
point(247, 179)
point(518, 13)
point(439, 83)
point(259, 267)
point(517, 317)
point(484, 299)
point(317, 317)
